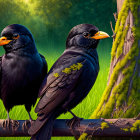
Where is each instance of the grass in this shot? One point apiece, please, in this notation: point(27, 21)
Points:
point(85, 108)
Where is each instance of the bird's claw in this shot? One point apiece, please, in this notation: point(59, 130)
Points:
point(26, 124)
point(74, 122)
point(8, 123)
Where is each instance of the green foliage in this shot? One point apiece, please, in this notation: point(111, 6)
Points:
point(51, 20)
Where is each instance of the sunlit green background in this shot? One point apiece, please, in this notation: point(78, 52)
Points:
point(50, 21)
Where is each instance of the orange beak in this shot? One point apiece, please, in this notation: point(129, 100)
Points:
point(100, 35)
point(4, 41)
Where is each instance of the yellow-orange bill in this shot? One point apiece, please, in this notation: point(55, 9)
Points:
point(100, 35)
point(4, 41)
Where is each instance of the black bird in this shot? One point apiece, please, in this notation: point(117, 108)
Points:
point(69, 80)
point(22, 68)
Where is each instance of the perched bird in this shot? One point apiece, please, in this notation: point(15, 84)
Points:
point(22, 68)
point(69, 80)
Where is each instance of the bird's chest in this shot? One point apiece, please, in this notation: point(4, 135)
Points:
point(12, 67)
point(18, 71)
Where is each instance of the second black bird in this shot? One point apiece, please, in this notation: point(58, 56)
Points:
point(69, 80)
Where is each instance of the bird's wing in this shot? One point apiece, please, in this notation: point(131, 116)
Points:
point(45, 69)
point(59, 83)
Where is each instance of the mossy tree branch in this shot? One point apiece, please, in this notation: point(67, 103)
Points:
point(95, 127)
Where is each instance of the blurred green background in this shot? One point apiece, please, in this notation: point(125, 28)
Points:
point(50, 21)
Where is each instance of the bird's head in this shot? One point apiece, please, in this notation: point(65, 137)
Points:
point(15, 36)
point(85, 35)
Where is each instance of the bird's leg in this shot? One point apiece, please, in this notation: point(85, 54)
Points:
point(30, 116)
point(6, 123)
point(74, 122)
point(27, 123)
point(10, 123)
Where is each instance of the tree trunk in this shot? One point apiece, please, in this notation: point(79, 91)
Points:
point(121, 97)
point(122, 94)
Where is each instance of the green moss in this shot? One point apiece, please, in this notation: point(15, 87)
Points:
point(122, 15)
point(119, 30)
point(122, 87)
point(56, 74)
point(107, 109)
point(120, 97)
point(139, 61)
point(125, 129)
point(120, 46)
point(136, 126)
point(129, 69)
point(67, 70)
point(83, 136)
point(132, 129)
point(73, 67)
point(130, 112)
point(135, 96)
point(104, 125)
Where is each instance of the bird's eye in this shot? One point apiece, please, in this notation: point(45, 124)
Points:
point(15, 36)
point(85, 34)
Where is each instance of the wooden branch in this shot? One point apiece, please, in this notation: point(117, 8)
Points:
point(112, 27)
point(93, 127)
point(115, 16)
point(114, 35)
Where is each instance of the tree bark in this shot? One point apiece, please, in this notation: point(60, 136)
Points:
point(95, 127)
point(122, 93)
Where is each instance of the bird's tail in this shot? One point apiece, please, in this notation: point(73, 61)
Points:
point(42, 129)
